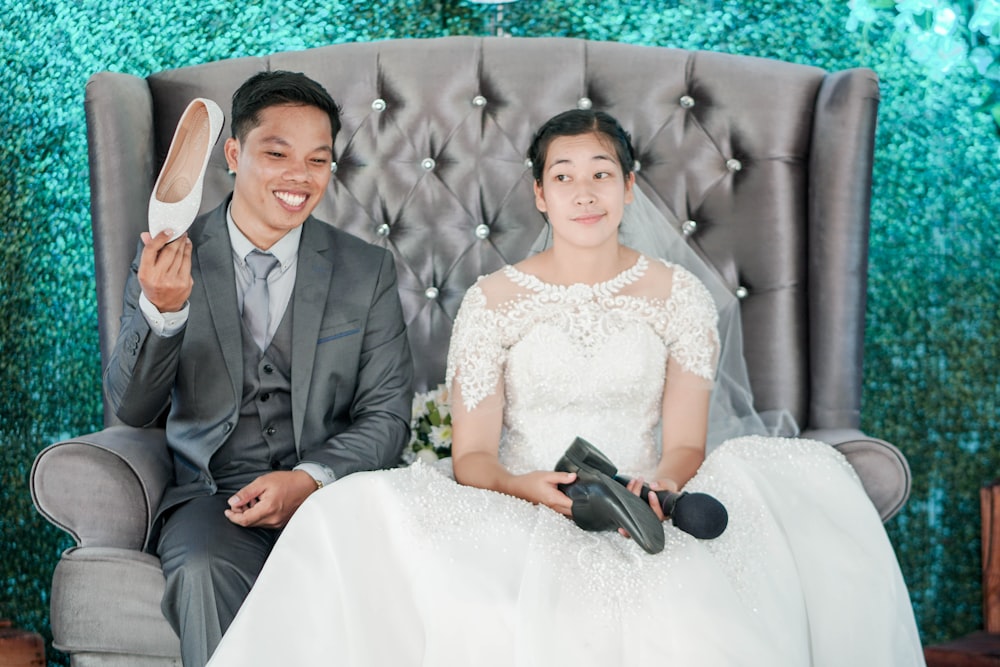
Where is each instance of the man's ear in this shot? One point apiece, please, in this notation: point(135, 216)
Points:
point(539, 197)
point(232, 152)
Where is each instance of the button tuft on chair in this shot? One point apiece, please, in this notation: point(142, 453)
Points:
point(732, 164)
point(378, 105)
point(584, 103)
point(528, 163)
point(333, 167)
point(687, 101)
point(689, 227)
point(478, 101)
point(636, 166)
point(428, 163)
point(431, 293)
point(482, 232)
point(383, 229)
point(742, 292)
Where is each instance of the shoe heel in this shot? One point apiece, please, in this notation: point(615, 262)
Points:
point(581, 455)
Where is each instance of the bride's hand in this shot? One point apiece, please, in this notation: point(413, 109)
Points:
point(635, 486)
point(542, 488)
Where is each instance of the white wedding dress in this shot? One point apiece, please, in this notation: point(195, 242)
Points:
point(407, 567)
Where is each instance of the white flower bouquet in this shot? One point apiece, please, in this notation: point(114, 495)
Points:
point(430, 427)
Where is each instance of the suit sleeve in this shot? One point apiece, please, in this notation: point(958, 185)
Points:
point(143, 366)
point(380, 411)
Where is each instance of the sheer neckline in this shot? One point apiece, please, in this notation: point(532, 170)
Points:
point(610, 286)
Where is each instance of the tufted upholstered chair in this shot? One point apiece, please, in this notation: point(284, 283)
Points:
point(766, 166)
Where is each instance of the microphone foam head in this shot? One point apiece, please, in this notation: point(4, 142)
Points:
point(700, 515)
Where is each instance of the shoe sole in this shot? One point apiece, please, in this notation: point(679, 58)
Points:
point(621, 508)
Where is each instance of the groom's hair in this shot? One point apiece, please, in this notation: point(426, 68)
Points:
point(573, 123)
point(278, 88)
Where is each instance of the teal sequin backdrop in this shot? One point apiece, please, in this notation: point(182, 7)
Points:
point(932, 354)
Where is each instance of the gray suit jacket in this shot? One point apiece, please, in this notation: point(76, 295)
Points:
point(351, 366)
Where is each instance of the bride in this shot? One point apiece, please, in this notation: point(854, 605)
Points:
point(587, 338)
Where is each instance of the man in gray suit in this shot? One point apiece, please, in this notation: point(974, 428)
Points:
point(255, 425)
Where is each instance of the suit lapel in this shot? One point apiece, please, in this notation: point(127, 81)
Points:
point(312, 286)
point(214, 255)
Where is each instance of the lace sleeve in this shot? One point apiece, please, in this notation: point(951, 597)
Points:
point(692, 334)
point(476, 355)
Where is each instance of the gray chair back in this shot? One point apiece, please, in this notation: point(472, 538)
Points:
point(766, 164)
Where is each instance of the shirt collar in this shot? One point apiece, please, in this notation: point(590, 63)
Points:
point(286, 249)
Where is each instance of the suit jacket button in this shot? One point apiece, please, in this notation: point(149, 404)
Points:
point(275, 464)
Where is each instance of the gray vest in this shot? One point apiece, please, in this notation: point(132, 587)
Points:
point(262, 440)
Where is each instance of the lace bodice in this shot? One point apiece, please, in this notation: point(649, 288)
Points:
point(581, 360)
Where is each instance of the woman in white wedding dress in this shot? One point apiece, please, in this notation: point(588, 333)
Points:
point(587, 338)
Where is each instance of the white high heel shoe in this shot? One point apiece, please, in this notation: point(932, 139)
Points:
point(177, 194)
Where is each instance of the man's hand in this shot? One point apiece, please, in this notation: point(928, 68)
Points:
point(270, 500)
point(165, 271)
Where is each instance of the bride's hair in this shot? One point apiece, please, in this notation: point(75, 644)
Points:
point(573, 123)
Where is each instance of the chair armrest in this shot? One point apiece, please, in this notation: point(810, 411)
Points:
point(883, 469)
point(103, 488)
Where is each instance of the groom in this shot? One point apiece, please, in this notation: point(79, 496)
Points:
point(255, 425)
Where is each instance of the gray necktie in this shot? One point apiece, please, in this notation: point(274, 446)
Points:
point(255, 304)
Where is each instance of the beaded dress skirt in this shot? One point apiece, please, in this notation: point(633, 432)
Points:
point(407, 567)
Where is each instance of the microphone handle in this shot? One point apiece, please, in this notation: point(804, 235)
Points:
point(668, 499)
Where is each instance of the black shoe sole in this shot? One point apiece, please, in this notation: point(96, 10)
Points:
point(601, 503)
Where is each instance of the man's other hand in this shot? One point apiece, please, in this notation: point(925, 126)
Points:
point(270, 500)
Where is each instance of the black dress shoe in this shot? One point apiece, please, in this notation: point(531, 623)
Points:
point(600, 503)
point(697, 514)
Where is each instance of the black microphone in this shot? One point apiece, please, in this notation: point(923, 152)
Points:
point(697, 514)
